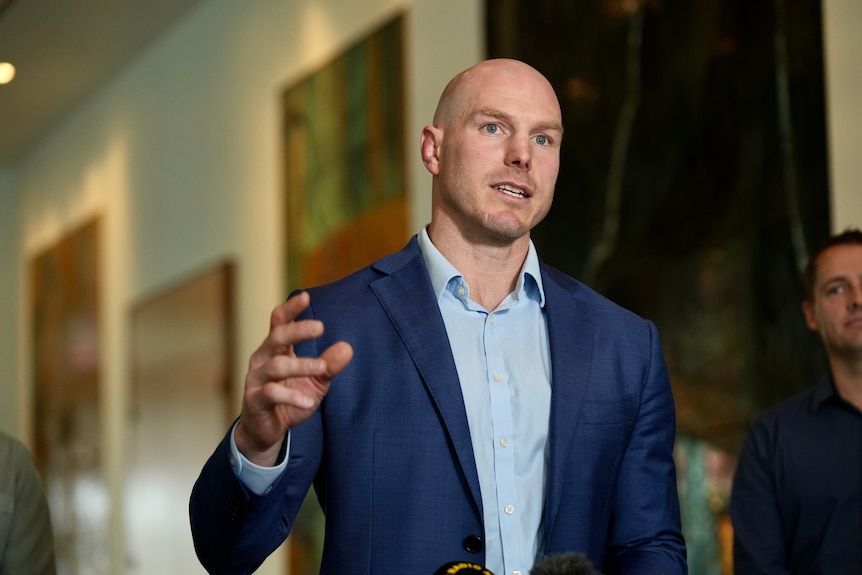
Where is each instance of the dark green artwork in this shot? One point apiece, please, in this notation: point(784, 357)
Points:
point(693, 184)
point(343, 156)
point(693, 179)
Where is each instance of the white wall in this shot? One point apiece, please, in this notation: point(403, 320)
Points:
point(842, 20)
point(11, 402)
point(179, 155)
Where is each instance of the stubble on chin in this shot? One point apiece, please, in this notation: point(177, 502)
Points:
point(502, 229)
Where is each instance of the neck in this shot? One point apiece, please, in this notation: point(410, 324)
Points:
point(491, 270)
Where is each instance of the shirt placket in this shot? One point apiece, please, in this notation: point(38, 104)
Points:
point(504, 458)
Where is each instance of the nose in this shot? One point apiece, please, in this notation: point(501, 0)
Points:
point(518, 153)
point(856, 298)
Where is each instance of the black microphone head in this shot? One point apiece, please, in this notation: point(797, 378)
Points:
point(463, 568)
point(564, 564)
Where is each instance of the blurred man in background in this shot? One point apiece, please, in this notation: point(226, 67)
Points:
point(796, 503)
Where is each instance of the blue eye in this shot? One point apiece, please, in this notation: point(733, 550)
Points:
point(542, 140)
point(492, 128)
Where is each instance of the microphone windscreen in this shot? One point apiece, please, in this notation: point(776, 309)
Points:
point(564, 564)
point(462, 568)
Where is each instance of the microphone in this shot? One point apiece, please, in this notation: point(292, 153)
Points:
point(564, 564)
point(462, 567)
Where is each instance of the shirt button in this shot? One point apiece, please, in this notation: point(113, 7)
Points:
point(504, 442)
point(498, 378)
point(491, 319)
point(461, 290)
point(509, 509)
point(516, 573)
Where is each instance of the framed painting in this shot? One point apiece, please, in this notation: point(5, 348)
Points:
point(182, 365)
point(343, 158)
point(66, 368)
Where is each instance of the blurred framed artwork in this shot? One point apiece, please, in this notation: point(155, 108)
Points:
point(66, 367)
point(182, 365)
point(343, 161)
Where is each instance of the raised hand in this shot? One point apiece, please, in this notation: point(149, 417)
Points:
point(281, 389)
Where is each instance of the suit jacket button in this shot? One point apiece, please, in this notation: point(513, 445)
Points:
point(472, 543)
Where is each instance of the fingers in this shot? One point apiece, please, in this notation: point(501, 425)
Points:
point(285, 330)
point(292, 372)
point(289, 310)
point(281, 389)
point(276, 360)
point(281, 368)
point(293, 403)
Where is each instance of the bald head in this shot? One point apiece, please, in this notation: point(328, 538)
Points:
point(494, 153)
point(496, 75)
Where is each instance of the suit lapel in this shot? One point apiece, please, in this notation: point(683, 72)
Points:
point(406, 295)
point(570, 332)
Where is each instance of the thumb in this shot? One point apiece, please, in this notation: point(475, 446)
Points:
point(336, 356)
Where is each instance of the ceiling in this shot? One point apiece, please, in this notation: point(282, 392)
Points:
point(64, 50)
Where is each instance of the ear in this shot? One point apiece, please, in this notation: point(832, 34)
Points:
point(810, 316)
point(432, 138)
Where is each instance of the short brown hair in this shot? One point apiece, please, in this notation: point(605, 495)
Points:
point(809, 276)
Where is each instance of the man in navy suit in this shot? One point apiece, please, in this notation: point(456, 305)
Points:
point(466, 402)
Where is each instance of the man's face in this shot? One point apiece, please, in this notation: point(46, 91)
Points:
point(836, 310)
point(499, 154)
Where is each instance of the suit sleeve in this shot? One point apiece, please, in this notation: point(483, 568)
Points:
point(235, 530)
point(758, 543)
point(646, 536)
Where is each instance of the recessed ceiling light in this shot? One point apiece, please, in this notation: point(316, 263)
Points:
point(7, 72)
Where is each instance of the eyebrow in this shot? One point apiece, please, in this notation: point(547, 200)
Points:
point(495, 113)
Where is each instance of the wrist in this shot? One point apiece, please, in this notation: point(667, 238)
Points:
point(256, 452)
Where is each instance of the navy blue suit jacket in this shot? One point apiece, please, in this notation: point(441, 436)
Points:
point(389, 450)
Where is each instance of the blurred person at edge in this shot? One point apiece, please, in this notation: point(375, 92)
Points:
point(466, 402)
point(26, 538)
point(796, 502)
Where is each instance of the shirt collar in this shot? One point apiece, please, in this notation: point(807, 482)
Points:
point(824, 391)
point(441, 271)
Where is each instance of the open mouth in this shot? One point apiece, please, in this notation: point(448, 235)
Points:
point(513, 191)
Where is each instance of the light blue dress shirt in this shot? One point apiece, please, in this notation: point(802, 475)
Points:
point(504, 367)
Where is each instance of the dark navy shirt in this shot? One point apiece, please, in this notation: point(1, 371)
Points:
point(796, 503)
